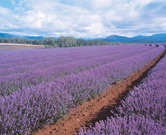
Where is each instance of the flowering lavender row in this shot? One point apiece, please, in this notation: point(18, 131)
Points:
point(53, 58)
point(29, 108)
point(60, 60)
point(39, 55)
point(13, 82)
point(142, 112)
point(126, 125)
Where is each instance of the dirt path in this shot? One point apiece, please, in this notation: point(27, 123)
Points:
point(97, 109)
point(21, 44)
point(13, 46)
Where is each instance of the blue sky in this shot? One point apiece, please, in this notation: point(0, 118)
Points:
point(83, 18)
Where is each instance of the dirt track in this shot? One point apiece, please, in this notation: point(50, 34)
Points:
point(12, 46)
point(97, 109)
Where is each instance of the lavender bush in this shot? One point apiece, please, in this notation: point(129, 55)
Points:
point(142, 112)
point(13, 82)
point(36, 59)
point(30, 107)
point(28, 75)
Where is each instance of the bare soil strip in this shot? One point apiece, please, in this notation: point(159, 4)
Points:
point(21, 44)
point(13, 46)
point(99, 108)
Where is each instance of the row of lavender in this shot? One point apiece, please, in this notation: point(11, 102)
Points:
point(31, 107)
point(34, 56)
point(39, 63)
point(143, 112)
point(16, 78)
point(42, 59)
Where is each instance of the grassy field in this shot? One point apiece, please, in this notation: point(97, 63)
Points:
point(13, 46)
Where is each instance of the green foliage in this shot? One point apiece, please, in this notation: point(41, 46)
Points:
point(66, 41)
point(60, 42)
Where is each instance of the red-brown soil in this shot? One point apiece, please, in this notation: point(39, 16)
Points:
point(99, 108)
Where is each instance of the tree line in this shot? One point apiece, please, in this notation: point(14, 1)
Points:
point(60, 42)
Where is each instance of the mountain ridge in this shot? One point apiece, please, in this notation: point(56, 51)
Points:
point(6, 35)
point(161, 37)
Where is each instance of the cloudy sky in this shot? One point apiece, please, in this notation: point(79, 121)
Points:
point(83, 18)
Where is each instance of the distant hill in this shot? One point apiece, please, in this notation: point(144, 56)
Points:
point(138, 39)
point(113, 38)
point(116, 38)
point(5, 35)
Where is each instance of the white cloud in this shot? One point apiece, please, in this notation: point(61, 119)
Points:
point(4, 11)
point(102, 3)
point(83, 18)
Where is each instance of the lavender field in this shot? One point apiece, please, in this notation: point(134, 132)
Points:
point(39, 86)
point(142, 112)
